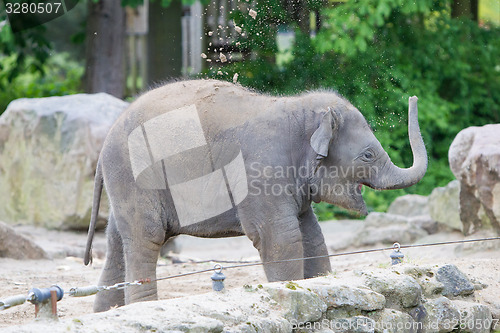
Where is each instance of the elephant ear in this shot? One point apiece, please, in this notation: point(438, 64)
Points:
point(321, 138)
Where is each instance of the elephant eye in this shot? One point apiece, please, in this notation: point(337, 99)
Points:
point(367, 155)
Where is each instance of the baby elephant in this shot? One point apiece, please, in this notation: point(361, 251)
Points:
point(213, 159)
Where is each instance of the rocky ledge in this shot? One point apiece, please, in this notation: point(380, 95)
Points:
point(401, 298)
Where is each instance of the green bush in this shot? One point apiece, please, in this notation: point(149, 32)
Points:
point(61, 76)
point(377, 53)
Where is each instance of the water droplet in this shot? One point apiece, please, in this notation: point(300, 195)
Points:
point(252, 13)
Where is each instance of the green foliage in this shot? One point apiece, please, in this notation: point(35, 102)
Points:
point(488, 11)
point(58, 76)
point(164, 3)
point(28, 50)
point(377, 53)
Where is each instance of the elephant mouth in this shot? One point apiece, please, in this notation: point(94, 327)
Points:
point(361, 205)
point(347, 195)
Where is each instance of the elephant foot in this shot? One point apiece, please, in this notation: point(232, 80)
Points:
point(107, 299)
point(146, 292)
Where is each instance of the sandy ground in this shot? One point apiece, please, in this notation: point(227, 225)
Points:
point(480, 261)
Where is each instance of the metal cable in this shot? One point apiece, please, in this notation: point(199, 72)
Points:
point(90, 290)
point(328, 256)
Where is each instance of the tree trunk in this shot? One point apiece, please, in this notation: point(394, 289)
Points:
point(467, 8)
point(164, 41)
point(299, 13)
point(105, 47)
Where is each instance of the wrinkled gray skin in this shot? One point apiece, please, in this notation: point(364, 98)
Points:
point(306, 132)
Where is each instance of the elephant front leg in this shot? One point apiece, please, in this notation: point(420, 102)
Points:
point(276, 239)
point(314, 245)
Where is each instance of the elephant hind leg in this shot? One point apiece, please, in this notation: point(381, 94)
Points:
point(141, 258)
point(113, 271)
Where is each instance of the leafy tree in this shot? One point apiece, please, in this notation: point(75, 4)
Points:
point(26, 50)
point(377, 53)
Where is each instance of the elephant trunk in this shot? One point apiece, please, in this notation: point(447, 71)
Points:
point(395, 177)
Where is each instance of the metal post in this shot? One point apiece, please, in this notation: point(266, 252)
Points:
point(45, 301)
point(218, 278)
point(396, 255)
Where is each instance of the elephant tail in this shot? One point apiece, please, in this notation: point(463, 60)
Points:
point(98, 182)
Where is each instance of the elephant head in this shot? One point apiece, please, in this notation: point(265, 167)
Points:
point(349, 156)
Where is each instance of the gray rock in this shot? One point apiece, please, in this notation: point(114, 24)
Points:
point(474, 317)
point(454, 281)
point(495, 314)
point(261, 324)
point(436, 315)
point(424, 222)
point(431, 287)
point(341, 234)
point(444, 205)
point(357, 324)
point(17, 246)
point(344, 312)
point(351, 297)
point(379, 220)
point(474, 158)
point(301, 304)
point(48, 153)
point(409, 205)
point(388, 228)
point(400, 291)
point(446, 280)
point(393, 321)
point(425, 277)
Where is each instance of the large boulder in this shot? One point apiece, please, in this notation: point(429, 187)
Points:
point(410, 205)
point(454, 281)
point(436, 315)
point(389, 228)
point(48, 153)
point(393, 321)
point(301, 305)
point(444, 206)
point(474, 158)
point(474, 317)
point(17, 246)
point(415, 208)
point(400, 290)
